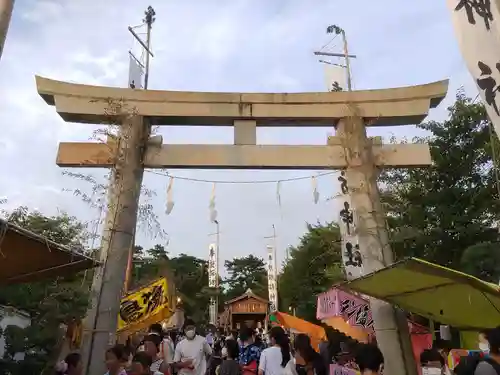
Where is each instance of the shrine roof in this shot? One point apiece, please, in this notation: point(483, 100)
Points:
point(247, 294)
point(29, 257)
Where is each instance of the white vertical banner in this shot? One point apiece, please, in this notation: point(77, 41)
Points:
point(272, 275)
point(351, 254)
point(477, 28)
point(335, 77)
point(212, 281)
point(135, 73)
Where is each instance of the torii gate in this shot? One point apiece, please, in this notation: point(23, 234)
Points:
point(349, 150)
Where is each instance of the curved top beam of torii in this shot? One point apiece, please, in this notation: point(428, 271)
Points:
point(395, 106)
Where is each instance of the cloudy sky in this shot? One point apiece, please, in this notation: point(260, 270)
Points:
point(209, 45)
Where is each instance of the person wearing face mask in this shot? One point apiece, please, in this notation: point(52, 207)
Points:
point(484, 346)
point(190, 353)
point(481, 363)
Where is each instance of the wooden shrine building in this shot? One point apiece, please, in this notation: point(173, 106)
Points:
point(247, 309)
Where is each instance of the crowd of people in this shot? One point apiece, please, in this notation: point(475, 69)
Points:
point(243, 352)
point(250, 352)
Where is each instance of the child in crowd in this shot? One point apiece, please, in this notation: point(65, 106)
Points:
point(141, 365)
point(72, 365)
point(116, 360)
point(230, 365)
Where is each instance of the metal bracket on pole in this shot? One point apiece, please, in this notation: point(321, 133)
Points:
point(333, 54)
point(140, 41)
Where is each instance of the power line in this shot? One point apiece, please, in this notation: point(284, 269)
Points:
point(235, 182)
point(327, 44)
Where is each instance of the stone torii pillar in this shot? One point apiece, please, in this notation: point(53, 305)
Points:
point(349, 150)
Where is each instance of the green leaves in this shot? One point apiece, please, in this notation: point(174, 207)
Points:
point(439, 213)
point(314, 266)
point(48, 303)
point(246, 273)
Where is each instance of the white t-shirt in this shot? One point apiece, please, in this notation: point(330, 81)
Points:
point(167, 349)
point(196, 349)
point(270, 361)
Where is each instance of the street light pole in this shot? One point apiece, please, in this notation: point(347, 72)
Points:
point(217, 243)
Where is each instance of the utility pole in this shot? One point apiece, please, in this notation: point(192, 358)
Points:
point(6, 8)
point(217, 244)
point(391, 326)
point(118, 235)
point(346, 59)
point(272, 270)
point(150, 18)
point(274, 238)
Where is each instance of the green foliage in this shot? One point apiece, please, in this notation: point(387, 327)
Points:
point(441, 213)
point(191, 281)
point(246, 273)
point(48, 303)
point(148, 265)
point(313, 267)
point(483, 261)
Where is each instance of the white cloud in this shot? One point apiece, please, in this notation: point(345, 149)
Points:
point(244, 45)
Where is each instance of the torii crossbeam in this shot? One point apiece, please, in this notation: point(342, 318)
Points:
point(245, 112)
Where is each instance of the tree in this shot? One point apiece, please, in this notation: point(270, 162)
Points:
point(440, 212)
point(148, 265)
point(314, 266)
point(246, 273)
point(191, 278)
point(49, 303)
point(482, 260)
point(158, 252)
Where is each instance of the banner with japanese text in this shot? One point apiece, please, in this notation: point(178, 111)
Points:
point(144, 303)
point(135, 73)
point(335, 77)
point(352, 258)
point(212, 280)
point(272, 276)
point(353, 309)
point(477, 28)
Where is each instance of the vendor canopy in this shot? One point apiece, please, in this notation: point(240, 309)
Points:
point(439, 293)
point(26, 256)
point(315, 332)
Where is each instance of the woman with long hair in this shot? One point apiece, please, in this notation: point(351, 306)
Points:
point(274, 359)
point(307, 360)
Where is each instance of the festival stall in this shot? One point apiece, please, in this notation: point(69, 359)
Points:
point(346, 313)
point(441, 294)
point(352, 316)
point(436, 292)
point(297, 325)
point(28, 257)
